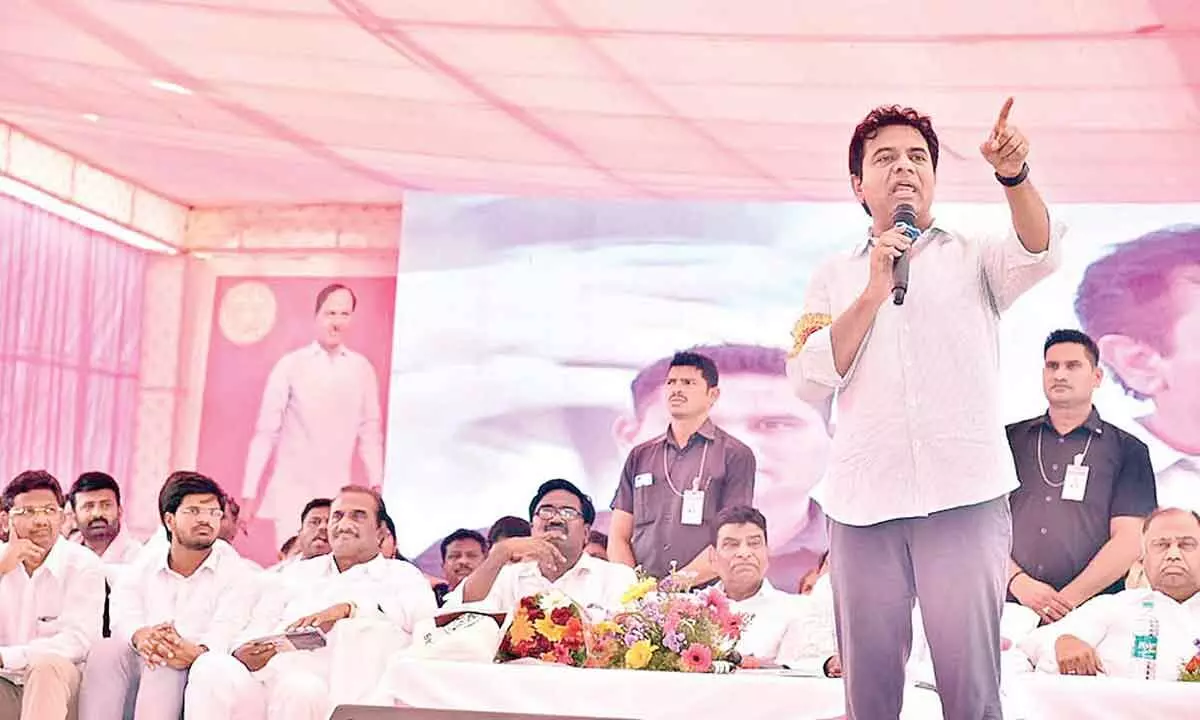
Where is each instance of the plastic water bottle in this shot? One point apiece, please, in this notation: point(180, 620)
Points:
point(1145, 642)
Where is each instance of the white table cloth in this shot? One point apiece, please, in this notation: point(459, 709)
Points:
point(1039, 696)
point(625, 694)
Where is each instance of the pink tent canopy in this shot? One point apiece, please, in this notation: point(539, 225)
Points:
point(247, 102)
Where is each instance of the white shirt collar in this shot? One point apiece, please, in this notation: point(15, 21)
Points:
point(585, 565)
point(114, 549)
point(766, 591)
point(935, 231)
point(55, 559)
point(315, 348)
point(331, 568)
point(211, 563)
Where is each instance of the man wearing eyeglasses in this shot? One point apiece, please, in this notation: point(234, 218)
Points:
point(552, 557)
point(170, 608)
point(51, 602)
point(365, 605)
point(1096, 638)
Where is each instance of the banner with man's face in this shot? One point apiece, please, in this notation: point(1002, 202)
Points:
point(532, 334)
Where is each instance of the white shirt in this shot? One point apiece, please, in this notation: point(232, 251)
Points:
point(1106, 622)
point(57, 610)
point(208, 607)
point(919, 414)
point(316, 408)
point(594, 584)
point(122, 551)
point(379, 588)
point(793, 630)
point(1176, 474)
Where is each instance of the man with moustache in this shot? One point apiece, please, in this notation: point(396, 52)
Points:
point(1096, 638)
point(169, 609)
point(553, 557)
point(96, 501)
point(1085, 487)
point(784, 629)
point(321, 403)
point(366, 606)
point(462, 552)
point(51, 599)
point(313, 539)
point(788, 436)
point(919, 473)
point(673, 485)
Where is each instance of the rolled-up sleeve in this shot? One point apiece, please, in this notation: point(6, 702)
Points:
point(1010, 270)
point(811, 368)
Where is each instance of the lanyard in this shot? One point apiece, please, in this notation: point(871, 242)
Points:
point(1078, 458)
point(667, 470)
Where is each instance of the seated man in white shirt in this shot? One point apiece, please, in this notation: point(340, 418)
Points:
point(785, 629)
point(313, 539)
point(168, 609)
point(553, 557)
point(385, 597)
point(1098, 636)
point(96, 501)
point(51, 601)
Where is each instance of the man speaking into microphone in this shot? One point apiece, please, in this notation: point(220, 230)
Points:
point(919, 470)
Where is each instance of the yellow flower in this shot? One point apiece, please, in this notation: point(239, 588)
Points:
point(638, 656)
point(520, 630)
point(546, 627)
point(638, 590)
point(606, 627)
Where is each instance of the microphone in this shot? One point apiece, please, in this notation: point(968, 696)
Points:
point(904, 217)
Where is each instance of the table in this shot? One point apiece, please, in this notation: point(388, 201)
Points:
point(625, 694)
point(1038, 696)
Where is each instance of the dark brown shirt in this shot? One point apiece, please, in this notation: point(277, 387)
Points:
point(1055, 539)
point(659, 535)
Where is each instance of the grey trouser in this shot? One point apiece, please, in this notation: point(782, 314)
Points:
point(954, 563)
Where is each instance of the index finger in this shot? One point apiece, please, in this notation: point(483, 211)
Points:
point(1002, 121)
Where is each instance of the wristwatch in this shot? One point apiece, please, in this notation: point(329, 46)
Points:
point(1016, 179)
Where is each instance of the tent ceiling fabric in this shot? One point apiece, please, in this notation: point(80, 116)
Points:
point(312, 101)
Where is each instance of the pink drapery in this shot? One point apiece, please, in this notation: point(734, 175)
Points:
point(70, 336)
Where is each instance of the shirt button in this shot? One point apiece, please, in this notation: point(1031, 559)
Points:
point(1053, 467)
point(1061, 441)
point(1049, 498)
point(1039, 569)
point(1043, 531)
point(667, 546)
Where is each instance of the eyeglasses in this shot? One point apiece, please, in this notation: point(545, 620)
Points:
point(549, 512)
point(195, 512)
point(48, 511)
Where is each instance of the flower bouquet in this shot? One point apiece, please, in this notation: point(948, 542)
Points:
point(1190, 671)
point(661, 627)
point(548, 626)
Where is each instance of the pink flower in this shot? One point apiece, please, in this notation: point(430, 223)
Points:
point(731, 626)
point(717, 599)
point(697, 658)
